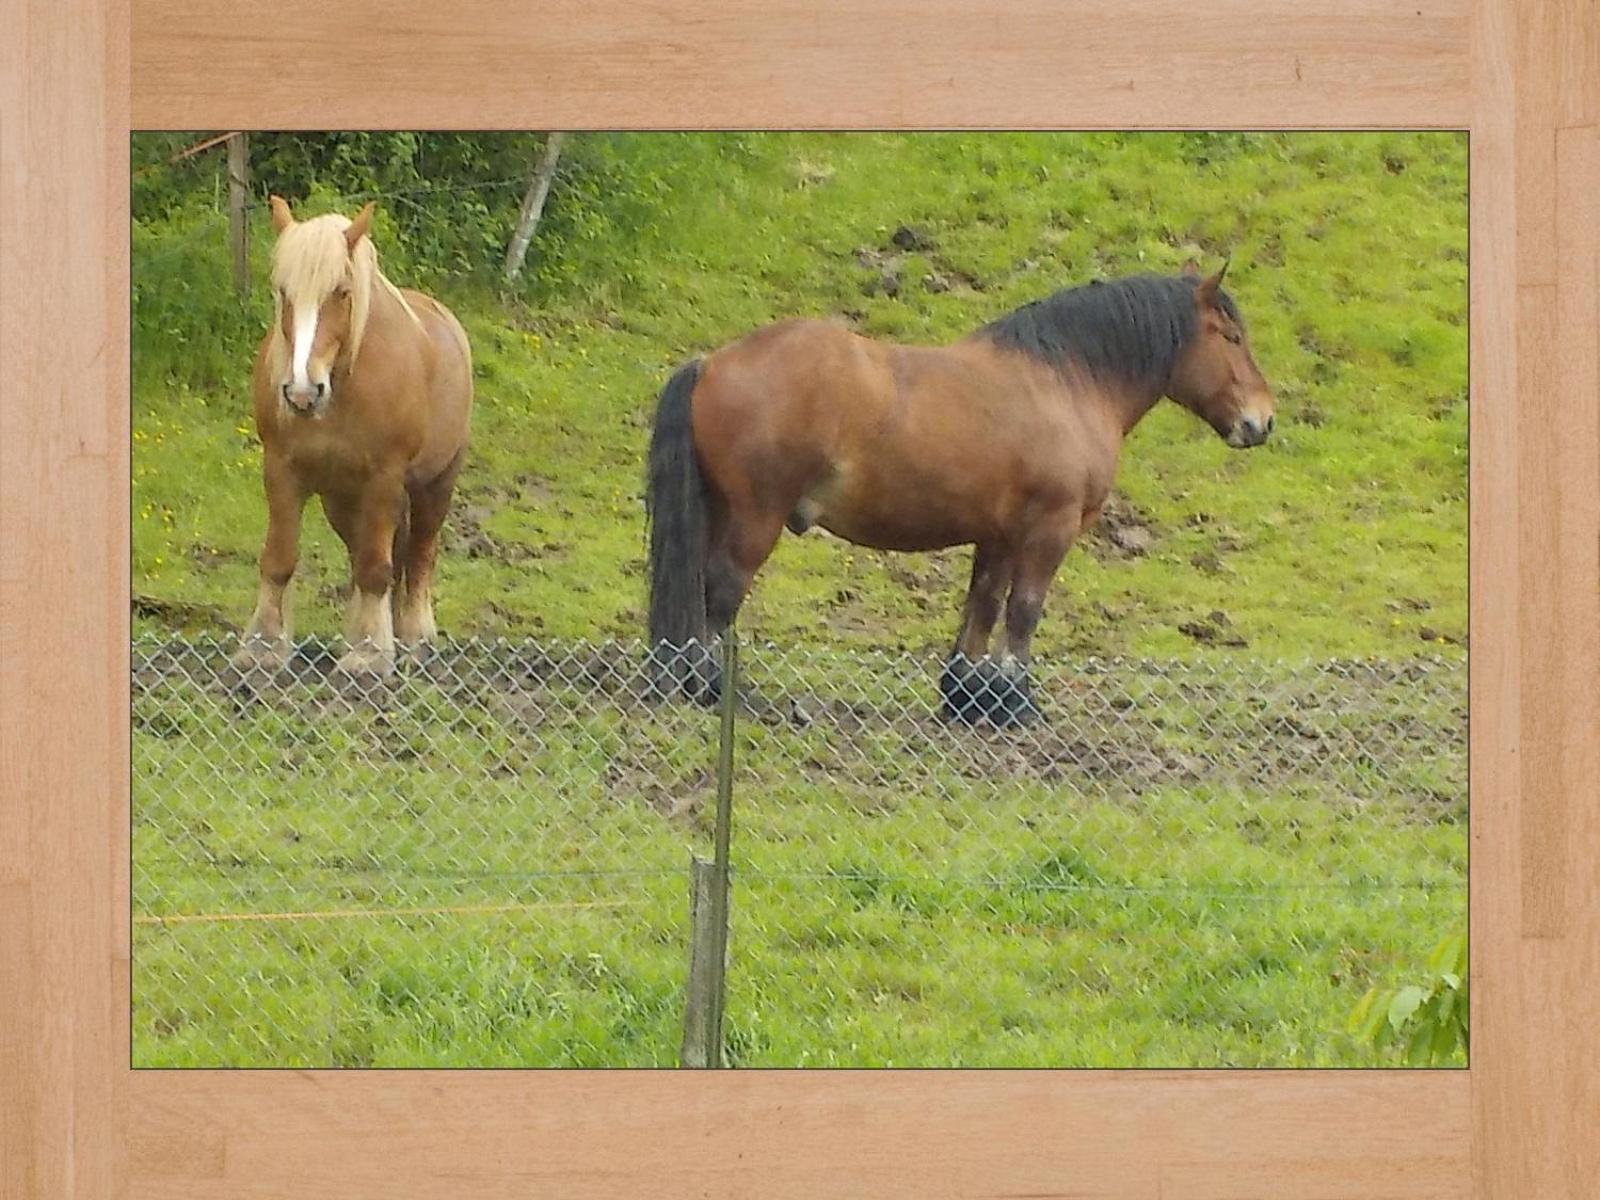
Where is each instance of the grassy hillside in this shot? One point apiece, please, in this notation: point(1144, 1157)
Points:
point(1193, 863)
point(1345, 536)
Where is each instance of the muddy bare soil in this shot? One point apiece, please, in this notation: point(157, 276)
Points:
point(1356, 732)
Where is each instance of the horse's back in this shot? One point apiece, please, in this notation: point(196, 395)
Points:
point(452, 352)
point(897, 446)
point(447, 358)
point(790, 374)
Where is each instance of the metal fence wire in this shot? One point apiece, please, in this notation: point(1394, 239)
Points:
point(484, 860)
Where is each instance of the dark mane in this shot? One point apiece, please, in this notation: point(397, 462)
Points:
point(1125, 329)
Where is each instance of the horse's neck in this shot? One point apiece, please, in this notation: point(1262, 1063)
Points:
point(384, 304)
point(1127, 404)
point(384, 308)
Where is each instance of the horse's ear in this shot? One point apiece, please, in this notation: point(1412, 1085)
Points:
point(1191, 269)
point(282, 218)
point(359, 227)
point(1206, 293)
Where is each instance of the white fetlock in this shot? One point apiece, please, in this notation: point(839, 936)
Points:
point(367, 659)
point(258, 652)
point(413, 622)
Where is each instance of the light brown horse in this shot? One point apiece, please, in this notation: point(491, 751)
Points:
point(362, 397)
point(1007, 440)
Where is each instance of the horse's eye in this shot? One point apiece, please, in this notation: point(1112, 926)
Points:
point(1234, 336)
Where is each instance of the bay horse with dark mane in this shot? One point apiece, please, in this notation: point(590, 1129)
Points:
point(1007, 440)
point(362, 397)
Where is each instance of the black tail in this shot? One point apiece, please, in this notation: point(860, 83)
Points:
point(676, 504)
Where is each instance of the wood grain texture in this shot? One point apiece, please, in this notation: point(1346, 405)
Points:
point(1089, 1135)
point(63, 600)
point(1535, 618)
point(585, 64)
point(76, 1123)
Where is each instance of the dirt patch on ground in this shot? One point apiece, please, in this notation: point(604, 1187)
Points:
point(1123, 531)
point(182, 614)
point(887, 265)
point(1351, 733)
point(1213, 629)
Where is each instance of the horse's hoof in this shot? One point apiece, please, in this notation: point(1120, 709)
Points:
point(259, 655)
point(974, 692)
point(365, 664)
point(415, 653)
point(706, 689)
point(965, 689)
point(1017, 708)
point(687, 671)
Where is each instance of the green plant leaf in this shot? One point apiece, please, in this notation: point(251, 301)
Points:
point(1447, 1035)
point(1382, 1035)
point(1420, 1048)
point(1406, 1001)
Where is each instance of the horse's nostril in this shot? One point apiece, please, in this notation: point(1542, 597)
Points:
point(1271, 421)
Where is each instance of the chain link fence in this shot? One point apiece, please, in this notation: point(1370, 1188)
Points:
point(480, 862)
point(484, 861)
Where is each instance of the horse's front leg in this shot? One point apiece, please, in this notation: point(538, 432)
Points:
point(267, 637)
point(1041, 554)
point(966, 685)
point(370, 627)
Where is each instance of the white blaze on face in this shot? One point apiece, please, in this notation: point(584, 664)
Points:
point(305, 333)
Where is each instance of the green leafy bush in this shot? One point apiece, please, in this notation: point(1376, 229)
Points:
point(1425, 1023)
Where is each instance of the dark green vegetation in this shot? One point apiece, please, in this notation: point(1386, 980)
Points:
point(902, 900)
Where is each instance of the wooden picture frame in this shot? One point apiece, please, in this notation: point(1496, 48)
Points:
point(1523, 77)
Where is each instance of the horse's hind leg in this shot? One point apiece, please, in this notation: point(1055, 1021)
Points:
point(344, 513)
point(741, 540)
point(413, 618)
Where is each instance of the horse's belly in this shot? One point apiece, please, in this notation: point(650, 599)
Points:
point(897, 514)
point(903, 537)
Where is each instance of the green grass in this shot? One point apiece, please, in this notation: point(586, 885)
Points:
point(485, 865)
point(900, 899)
point(1349, 262)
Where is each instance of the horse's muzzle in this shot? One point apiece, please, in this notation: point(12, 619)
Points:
point(305, 402)
point(1250, 431)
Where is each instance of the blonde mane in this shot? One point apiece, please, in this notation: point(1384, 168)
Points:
point(309, 260)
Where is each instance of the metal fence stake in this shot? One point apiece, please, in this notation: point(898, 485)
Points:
point(708, 956)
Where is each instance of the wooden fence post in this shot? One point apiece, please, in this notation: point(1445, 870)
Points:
point(702, 1017)
point(238, 217)
point(708, 949)
point(532, 205)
